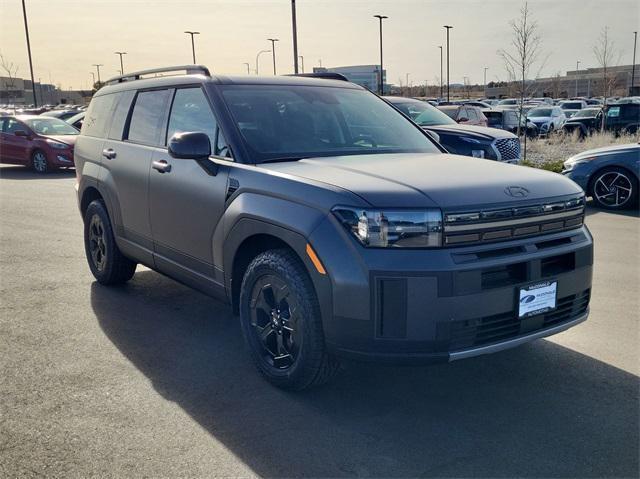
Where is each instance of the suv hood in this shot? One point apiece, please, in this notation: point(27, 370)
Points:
point(428, 179)
point(471, 131)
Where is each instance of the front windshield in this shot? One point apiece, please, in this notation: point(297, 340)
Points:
point(508, 102)
point(280, 123)
point(424, 114)
point(540, 112)
point(571, 106)
point(586, 113)
point(50, 126)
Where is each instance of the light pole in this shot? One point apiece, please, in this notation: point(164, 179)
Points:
point(193, 45)
point(448, 27)
point(258, 57)
point(577, 68)
point(485, 80)
point(247, 67)
point(273, 50)
point(633, 68)
point(440, 47)
point(98, 65)
point(407, 82)
point(381, 86)
point(26, 31)
point(301, 62)
point(121, 65)
point(295, 38)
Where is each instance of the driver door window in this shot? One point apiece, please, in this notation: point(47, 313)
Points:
point(191, 112)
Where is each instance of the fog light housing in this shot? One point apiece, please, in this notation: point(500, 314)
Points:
point(63, 159)
point(477, 153)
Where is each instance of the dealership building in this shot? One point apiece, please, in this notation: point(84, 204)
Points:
point(367, 76)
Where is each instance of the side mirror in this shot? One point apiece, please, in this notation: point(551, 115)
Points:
point(189, 145)
point(463, 119)
point(21, 133)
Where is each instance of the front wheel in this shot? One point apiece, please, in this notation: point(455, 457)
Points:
point(614, 189)
point(39, 162)
point(281, 324)
point(107, 263)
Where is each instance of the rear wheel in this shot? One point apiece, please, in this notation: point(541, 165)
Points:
point(107, 263)
point(39, 162)
point(614, 188)
point(281, 324)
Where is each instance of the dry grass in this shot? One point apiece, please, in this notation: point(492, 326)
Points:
point(550, 153)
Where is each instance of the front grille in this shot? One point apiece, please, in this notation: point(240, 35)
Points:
point(501, 327)
point(487, 226)
point(508, 148)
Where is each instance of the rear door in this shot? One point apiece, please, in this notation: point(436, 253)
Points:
point(127, 159)
point(188, 200)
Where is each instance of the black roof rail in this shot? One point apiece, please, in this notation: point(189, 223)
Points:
point(189, 69)
point(324, 75)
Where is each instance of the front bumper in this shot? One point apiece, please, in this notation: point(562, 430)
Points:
point(420, 306)
point(60, 158)
point(580, 173)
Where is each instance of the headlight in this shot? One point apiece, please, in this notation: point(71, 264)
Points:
point(571, 162)
point(392, 228)
point(58, 145)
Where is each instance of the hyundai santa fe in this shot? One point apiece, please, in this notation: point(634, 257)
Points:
point(333, 225)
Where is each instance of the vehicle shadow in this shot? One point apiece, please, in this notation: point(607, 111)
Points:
point(24, 173)
point(541, 410)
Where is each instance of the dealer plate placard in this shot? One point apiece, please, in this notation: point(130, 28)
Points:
point(537, 298)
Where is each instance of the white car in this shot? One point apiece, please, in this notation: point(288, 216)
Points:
point(547, 118)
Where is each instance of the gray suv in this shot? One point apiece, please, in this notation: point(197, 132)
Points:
point(333, 225)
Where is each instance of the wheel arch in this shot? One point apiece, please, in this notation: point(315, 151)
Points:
point(259, 223)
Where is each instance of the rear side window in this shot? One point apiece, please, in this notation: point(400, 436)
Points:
point(98, 116)
point(147, 117)
point(120, 113)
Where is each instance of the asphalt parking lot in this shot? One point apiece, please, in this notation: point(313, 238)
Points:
point(151, 379)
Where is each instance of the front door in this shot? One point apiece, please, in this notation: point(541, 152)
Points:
point(187, 198)
point(15, 148)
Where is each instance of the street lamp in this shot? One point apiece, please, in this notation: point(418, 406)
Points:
point(98, 65)
point(121, 66)
point(258, 57)
point(193, 45)
point(295, 37)
point(440, 47)
point(273, 50)
point(448, 27)
point(247, 67)
point(301, 62)
point(485, 80)
point(381, 87)
point(577, 68)
point(26, 31)
point(633, 68)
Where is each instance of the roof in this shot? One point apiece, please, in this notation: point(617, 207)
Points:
point(184, 79)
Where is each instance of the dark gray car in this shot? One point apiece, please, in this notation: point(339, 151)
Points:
point(610, 175)
point(331, 223)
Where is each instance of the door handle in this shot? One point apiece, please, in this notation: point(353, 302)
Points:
point(109, 153)
point(162, 166)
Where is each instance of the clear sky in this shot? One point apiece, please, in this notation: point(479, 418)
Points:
point(68, 36)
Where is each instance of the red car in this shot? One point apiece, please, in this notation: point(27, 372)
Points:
point(41, 142)
point(465, 114)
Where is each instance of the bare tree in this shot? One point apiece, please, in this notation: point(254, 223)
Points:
point(523, 55)
point(605, 52)
point(11, 70)
point(556, 85)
